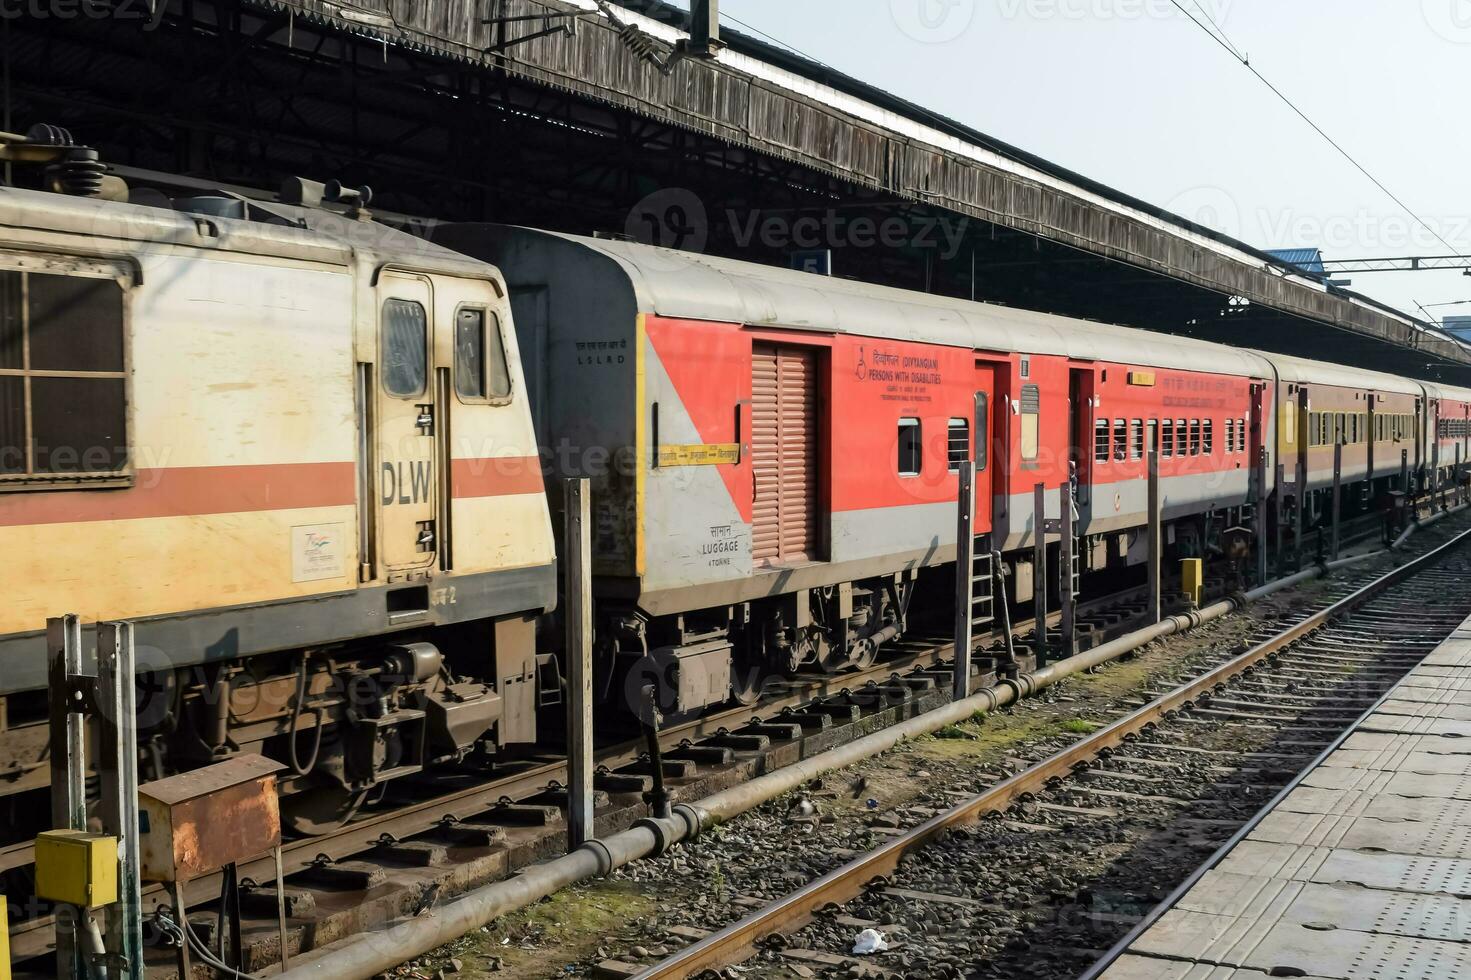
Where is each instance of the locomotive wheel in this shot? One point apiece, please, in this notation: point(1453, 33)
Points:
point(746, 684)
point(320, 810)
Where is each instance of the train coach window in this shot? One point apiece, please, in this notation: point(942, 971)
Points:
point(63, 388)
point(1100, 441)
point(1241, 435)
point(1195, 437)
point(405, 347)
point(957, 443)
point(1167, 441)
point(1031, 411)
point(480, 357)
point(1120, 439)
point(1136, 439)
point(983, 429)
point(1207, 436)
point(910, 447)
point(1153, 426)
point(1182, 437)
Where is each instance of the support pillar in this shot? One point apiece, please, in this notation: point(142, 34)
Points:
point(1337, 494)
point(1039, 568)
point(578, 605)
point(118, 769)
point(1279, 513)
point(1155, 539)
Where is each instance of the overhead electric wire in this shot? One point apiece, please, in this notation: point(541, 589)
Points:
point(1219, 36)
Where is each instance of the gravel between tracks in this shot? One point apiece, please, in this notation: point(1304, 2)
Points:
point(646, 910)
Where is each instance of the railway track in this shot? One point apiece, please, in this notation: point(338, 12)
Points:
point(487, 824)
point(1043, 871)
point(459, 833)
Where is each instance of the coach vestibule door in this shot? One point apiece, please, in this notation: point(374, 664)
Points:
point(1081, 435)
point(987, 448)
point(405, 425)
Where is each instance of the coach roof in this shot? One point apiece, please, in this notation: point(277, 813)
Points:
point(673, 283)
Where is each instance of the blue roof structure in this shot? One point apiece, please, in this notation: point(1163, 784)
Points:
point(1306, 259)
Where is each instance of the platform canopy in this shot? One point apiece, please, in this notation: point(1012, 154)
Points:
point(598, 117)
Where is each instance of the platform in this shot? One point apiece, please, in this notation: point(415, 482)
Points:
point(1363, 870)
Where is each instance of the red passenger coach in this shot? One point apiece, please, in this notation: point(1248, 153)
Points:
point(773, 454)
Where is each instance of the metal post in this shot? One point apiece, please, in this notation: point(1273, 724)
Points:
point(578, 605)
point(1155, 539)
point(1067, 599)
point(1039, 568)
point(1304, 422)
point(1438, 491)
point(1404, 472)
point(4, 936)
point(1279, 501)
point(1455, 480)
point(281, 908)
point(704, 26)
point(965, 543)
point(68, 749)
point(1261, 514)
point(118, 771)
point(1337, 486)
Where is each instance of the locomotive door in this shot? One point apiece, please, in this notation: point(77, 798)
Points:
point(405, 425)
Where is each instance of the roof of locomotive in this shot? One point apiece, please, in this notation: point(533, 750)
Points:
point(674, 283)
point(309, 234)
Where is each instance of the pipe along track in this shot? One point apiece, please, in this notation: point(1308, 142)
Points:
point(374, 952)
point(1398, 622)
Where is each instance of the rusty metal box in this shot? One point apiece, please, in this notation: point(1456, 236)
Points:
point(200, 821)
point(76, 867)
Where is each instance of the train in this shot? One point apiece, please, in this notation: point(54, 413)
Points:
point(318, 461)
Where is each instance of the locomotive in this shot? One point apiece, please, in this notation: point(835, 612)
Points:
point(293, 446)
point(316, 459)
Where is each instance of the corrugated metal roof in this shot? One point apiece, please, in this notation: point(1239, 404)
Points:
point(775, 103)
point(1307, 259)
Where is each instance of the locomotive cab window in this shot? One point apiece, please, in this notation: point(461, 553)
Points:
point(405, 348)
point(910, 451)
point(480, 357)
point(63, 387)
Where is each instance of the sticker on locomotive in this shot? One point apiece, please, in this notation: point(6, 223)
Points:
point(700, 454)
point(316, 552)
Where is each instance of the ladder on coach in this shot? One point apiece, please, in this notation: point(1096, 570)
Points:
point(982, 586)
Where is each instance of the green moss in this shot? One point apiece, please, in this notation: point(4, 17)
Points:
point(1078, 726)
point(573, 921)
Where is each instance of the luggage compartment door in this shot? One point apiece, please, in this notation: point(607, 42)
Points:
point(406, 424)
point(785, 518)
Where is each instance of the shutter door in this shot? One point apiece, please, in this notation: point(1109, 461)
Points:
point(784, 414)
point(765, 456)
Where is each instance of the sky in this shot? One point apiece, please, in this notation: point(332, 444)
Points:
point(1133, 94)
